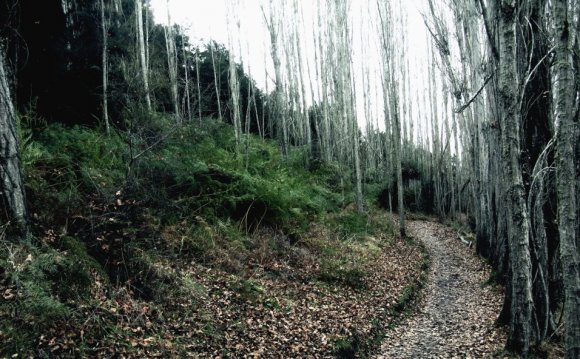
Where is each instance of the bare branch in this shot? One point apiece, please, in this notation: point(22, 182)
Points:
point(487, 23)
point(468, 103)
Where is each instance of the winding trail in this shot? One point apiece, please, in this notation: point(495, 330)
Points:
point(456, 316)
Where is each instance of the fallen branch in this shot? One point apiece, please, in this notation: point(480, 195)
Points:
point(465, 241)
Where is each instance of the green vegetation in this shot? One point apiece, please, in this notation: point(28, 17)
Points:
point(343, 272)
point(120, 216)
point(349, 347)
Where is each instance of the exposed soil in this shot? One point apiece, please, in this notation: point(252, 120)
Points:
point(456, 317)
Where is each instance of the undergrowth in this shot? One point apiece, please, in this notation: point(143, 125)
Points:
point(113, 216)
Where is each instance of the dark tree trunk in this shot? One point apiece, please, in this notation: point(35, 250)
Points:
point(563, 95)
point(11, 188)
point(521, 332)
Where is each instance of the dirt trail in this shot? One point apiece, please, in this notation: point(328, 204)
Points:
point(456, 316)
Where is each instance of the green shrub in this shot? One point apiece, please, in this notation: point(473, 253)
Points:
point(49, 277)
point(44, 282)
point(198, 167)
point(349, 347)
point(248, 290)
point(64, 165)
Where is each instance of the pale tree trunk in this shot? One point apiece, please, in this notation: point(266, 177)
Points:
point(146, 43)
point(360, 201)
point(233, 80)
point(105, 67)
point(11, 186)
point(520, 332)
point(172, 64)
point(215, 79)
point(323, 59)
point(347, 100)
point(562, 105)
point(391, 90)
point(311, 81)
point(198, 84)
point(186, 90)
point(437, 150)
point(235, 91)
point(397, 147)
point(279, 107)
point(142, 52)
point(67, 10)
point(304, 110)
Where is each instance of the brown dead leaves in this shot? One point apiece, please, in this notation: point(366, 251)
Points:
point(275, 306)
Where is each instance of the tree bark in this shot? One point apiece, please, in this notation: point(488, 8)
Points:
point(279, 107)
point(142, 52)
point(563, 98)
point(11, 186)
point(235, 99)
point(186, 90)
point(105, 67)
point(520, 331)
point(215, 79)
point(391, 93)
point(172, 64)
point(399, 169)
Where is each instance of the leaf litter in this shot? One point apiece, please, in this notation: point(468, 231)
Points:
point(281, 306)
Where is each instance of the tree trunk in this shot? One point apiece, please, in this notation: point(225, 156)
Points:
point(142, 52)
point(105, 67)
point(562, 105)
point(186, 90)
point(199, 101)
point(215, 79)
point(11, 186)
point(279, 107)
point(520, 331)
point(172, 64)
point(397, 146)
point(235, 92)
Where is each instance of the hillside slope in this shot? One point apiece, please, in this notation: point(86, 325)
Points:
point(167, 243)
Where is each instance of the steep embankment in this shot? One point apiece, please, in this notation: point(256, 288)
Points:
point(457, 316)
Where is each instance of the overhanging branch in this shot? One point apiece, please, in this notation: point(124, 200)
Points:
point(468, 103)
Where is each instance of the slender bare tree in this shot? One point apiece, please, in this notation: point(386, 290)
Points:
point(172, 62)
point(215, 79)
point(279, 112)
point(105, 66)
point(391, 101)
point(142, 52)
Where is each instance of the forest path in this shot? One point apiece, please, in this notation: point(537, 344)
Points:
point(456, 316)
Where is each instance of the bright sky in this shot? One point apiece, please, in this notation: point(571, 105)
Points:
point(204, 20)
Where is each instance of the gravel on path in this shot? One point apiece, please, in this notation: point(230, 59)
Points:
point(457, 314)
